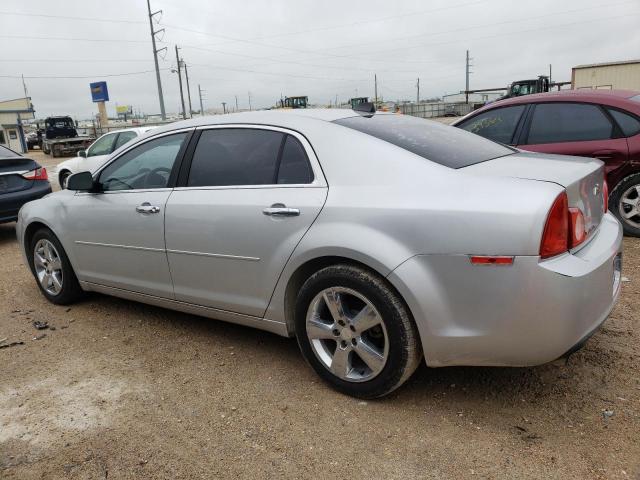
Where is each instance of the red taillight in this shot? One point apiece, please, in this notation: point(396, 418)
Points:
point(39, 173)
point(577, 229)
point(555, 237)
point(605, 195)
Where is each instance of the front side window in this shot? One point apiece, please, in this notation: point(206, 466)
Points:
point(123, 138)
point(148, 165)
point(102, 146)
point(568, 122)
point(498, 124)
point(235, 156)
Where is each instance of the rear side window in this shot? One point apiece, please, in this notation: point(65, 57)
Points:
point(443, 144)
point(629, 124)
point(235, 156)
point(568, 122)
point(498, 124)
point(294, 164)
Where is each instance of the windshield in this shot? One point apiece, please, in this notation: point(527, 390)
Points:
point(448, 146)
point(635, 98)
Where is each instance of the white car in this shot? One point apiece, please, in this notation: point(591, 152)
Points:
point(93, 157)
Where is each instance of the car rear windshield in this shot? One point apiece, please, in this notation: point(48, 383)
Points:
point(448, 146)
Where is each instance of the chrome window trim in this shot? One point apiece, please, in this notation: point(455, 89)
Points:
point(97, 173)
point(135, 145)
point(319, 179)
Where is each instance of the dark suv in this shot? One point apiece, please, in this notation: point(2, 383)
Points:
point(604, 124)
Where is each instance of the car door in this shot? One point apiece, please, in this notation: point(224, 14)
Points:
point(248, 197)
point(497, 124)
point(118, 231)
point(571, 128)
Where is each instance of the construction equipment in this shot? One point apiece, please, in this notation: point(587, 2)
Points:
point(294, 102)
point(358, 101)
point(60, 137)
point(527, 87)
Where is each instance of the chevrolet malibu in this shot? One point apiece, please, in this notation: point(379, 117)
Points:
point(374, 239)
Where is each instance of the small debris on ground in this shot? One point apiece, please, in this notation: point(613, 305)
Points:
point(40, 325)
point(607, 414)
point(12, 344)
point(40, 337)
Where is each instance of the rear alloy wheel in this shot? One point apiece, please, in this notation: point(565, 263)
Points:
point(347, 334)
point(625, 204)
point(52, 269)
point(356, 332)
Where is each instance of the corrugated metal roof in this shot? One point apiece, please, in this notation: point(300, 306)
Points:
point(607, 64)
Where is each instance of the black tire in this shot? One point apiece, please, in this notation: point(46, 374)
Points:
point(404, 349)
point(615, 198)
point(71, 291)
point(55, 152)
point(62, 179)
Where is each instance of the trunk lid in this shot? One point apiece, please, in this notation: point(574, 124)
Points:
point(11, 171)
point(582, 178)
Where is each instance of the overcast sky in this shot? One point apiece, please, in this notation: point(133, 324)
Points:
point(298, 47)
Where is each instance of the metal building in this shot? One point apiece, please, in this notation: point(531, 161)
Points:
point(611, 76)
point(12, 114)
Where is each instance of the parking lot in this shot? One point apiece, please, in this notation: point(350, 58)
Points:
point(117, 389)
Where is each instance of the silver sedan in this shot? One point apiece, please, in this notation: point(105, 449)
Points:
point(374, 239)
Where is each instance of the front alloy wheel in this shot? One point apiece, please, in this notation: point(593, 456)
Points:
point(48, 267)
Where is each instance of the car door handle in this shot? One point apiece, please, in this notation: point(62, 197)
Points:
point(147, 208)
point(280, 210)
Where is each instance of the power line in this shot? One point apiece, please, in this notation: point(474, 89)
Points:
point(80, 76)
point(91, 19)
point(359, 55)
point(114, 40)
point(473, 27)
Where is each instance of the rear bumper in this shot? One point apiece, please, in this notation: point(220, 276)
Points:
point(10, 203)
point(526, 314)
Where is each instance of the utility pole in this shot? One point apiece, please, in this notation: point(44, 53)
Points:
point(467, 73)
point(249, 94)
point(236, 103)
point(224, 107)
point(200, 95)
point(155, 56)
point(418, 92)
point(375, 84)
point(186, 74)
point(549, 74)
point(184, 113)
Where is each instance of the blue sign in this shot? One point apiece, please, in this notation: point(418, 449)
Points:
point(99, 92)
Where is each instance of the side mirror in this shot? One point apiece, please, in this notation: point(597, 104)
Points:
point(82, 181)
point(82, 153)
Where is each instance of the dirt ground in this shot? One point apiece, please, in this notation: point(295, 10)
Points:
point(121, 390)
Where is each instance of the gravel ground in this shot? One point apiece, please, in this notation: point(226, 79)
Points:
point(123, 390)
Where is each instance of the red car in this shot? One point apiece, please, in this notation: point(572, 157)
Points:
point(604, 124)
